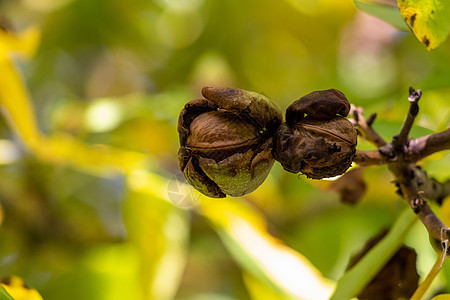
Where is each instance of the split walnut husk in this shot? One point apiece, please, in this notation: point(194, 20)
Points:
point(315, 140)
point(226, 141)
point(318, 149)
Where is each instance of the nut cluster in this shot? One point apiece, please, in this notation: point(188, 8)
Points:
point(231, 138)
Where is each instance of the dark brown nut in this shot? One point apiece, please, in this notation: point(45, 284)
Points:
point(321, 144)
point(318, 105)
point(226, 141)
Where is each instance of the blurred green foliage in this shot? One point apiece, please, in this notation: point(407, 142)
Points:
point(82, 220)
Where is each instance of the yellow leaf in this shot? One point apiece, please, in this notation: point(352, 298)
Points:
point(258, 290)
point(14, 100)
point(19, 290)
point(97, 159)
point(429, 20)
point(442, 297)
point(244, 232)
point(17, 108)
point(24, 44)
point(16, 105)
point(423, 287)
point(60, 149)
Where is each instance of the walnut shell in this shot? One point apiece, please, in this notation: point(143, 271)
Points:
point(316, 148)
point(320, 144)
point(226, 141)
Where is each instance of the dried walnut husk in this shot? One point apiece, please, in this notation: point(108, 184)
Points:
point(320, 144)
point(226, 141)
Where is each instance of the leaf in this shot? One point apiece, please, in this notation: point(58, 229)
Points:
point(4, 294)
point(442, 297)
point(113, 268)
point(259, 290)
point(388, 13)
point(14, 99)
point(24, 43)
point(17, 290)
point(421, 290)
point(429, 20)
point(159, 230)
point(397, 279)
point(98, 159)
point(100, 271)
point(244, 233)
point(423, 287)
point(16, 105)
point(59, 149)
point(354, 280)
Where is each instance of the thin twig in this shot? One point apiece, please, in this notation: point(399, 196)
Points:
point(364, 126)
point(399, 141)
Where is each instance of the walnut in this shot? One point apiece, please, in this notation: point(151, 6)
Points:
point(320, 144)
point(226, 141)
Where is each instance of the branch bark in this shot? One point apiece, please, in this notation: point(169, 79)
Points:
point(415, 187)
point(400, 156)
point(399, 141)
point(415, 150)
point(364, 126)
point(424, 146)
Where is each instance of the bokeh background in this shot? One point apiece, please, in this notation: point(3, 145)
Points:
point(107, 81)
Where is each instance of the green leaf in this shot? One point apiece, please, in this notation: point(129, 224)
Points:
point(354, 280)
point(387, 13)
point(429, 20)
point(4, 294)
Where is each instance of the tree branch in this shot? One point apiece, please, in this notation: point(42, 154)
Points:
point(424, 146)
point(415, 196)
point(364, 126)
point(370, 158)
point(400, 156)
point(415, 150)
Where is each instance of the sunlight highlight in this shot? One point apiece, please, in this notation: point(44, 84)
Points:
point(288, 269)
point(8, 152)
point(103, 115)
